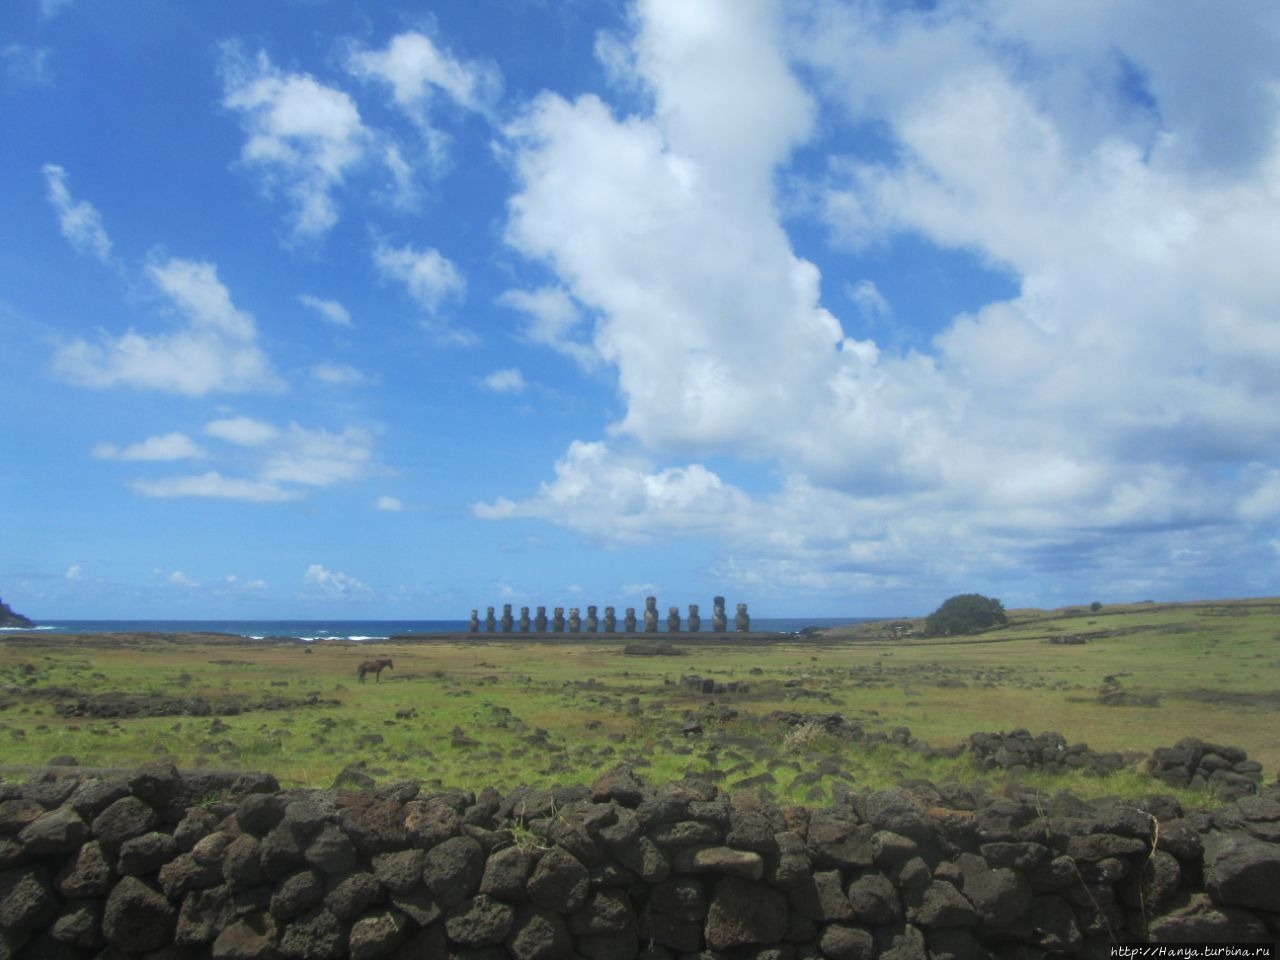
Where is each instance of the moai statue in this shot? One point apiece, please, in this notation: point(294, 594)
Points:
point(742, 622)
point(507, 621)
point(490, 623)
point(673, 619)
point(575, 620)
point(610, 620)
point(540, 621)
point(695, 621)
point(719, 623)
point(524, 619)
point(650, 614)
point(557, 620)
point(593, 622)
point(629, 622)
point(475, 621)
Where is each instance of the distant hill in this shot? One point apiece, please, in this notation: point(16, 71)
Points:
point(10, 619)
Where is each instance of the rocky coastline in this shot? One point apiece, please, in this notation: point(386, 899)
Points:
point(9, 618)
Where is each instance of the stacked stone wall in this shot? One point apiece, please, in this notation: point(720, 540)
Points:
point(157, 864)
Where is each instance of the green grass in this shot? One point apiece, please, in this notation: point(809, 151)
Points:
point(504, 712)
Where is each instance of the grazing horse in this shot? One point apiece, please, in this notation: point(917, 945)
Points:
point(375, 667)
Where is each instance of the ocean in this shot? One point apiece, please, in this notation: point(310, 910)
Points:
point(368, 630)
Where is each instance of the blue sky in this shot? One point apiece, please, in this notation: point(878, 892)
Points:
point(319, 309)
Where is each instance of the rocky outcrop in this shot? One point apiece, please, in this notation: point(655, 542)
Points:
point(1226, 771)
point(161, 864)
point(9, 618)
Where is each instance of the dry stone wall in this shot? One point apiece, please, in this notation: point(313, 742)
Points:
point(162, 865)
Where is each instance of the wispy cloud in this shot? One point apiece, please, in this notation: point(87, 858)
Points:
point(330, 310)
point(555, 321)
point(291, 460)
point(430, 277)
point(27, 66)
point(416, 68)
point(338, 374)
point(214, 350)
point(80, 221)
point(214, 485)
point(506, 380)
point(170, 446)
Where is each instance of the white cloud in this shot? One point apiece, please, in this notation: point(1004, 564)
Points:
point(389, 504)
point(169, 446)
point(337, 374)
point(611, 498)
point(244, 431)
point(506, 380)
point(213, 485)
point(666, 229)
point(870, 300)
point(430, 278)
point(330, 310)
point(180, 579)
point(1137, 360)
point(317, 457)
point(303, 137)
point(27, 66)
point(288, 461)
point(74, 572)
point(214, 350)
point(554, 320)
point(415, 68)
point(79, 220)
point(51, 8)
point(333, 582)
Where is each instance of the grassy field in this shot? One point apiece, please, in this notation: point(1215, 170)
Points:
point(481, 712)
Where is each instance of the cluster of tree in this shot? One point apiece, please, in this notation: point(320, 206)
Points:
point(965, 613)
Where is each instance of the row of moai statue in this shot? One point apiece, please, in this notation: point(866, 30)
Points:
point(593, 624)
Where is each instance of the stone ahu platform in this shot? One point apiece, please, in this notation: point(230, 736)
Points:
point(154, 863)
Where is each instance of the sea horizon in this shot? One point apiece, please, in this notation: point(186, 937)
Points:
point(362, 630)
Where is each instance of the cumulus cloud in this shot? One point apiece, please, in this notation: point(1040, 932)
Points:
point(417, 69)
point(169, 446)
point(330, 310)
point(79, 220)
point(303, 137)
point(389, 504)
point(1127, 387)
point(333, 582)
point(666, 228)
point(213, 350)
point(617, 498)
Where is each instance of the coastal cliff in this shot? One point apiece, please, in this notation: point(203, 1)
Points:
point(10, 619)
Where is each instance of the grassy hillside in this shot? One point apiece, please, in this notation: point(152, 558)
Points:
point(474, 712)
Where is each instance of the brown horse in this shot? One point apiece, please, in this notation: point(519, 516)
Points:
point(375, 667)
